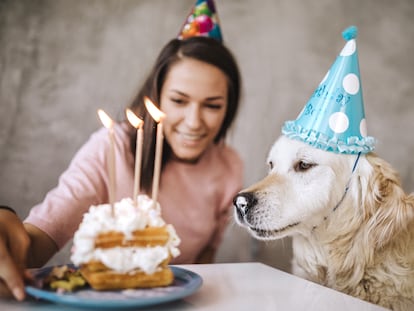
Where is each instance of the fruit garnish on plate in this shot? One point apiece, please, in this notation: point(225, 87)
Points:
point(64, 279)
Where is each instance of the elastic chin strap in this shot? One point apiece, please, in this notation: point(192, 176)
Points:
point(347, 184)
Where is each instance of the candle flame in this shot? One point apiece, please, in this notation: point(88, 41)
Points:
point(105, 119)
point(155, 113)
point(133, 119)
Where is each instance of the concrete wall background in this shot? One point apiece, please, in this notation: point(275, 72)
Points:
point(62, 60)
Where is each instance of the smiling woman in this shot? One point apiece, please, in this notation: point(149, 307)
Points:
point(199, 173)
point(196, 82)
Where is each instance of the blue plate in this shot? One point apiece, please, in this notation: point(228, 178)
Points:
point(185, 283)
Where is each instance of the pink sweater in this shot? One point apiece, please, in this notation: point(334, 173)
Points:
point(195, 198)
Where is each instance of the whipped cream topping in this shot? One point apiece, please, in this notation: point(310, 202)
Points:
point(125, 218)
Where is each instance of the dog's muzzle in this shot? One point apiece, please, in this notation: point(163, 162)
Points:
point(243, 202)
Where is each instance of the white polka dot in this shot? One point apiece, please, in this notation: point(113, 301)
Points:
point(363, 128)
point(324, 78)
point(350, 83)
point(349, 48)
point(338, 122)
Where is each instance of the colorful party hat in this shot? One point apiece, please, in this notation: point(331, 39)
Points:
point(202, 21)
point(334, 117)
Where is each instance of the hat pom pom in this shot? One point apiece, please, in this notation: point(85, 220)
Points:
point(350, 33)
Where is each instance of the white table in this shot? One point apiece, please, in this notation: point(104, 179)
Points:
point(238, 287)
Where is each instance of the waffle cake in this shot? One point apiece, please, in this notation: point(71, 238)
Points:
point(125, 247)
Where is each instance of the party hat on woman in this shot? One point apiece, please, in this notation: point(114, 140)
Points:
point(334, 117)
point(202, 21)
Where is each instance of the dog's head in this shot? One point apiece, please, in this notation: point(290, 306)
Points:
point(302, 188)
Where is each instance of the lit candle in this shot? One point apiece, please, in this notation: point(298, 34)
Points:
point(109, 124)
point(158, 116)
point(138, 124)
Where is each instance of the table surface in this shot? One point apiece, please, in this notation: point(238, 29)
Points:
point(239, 286)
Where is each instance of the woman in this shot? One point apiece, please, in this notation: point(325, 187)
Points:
point(196, 82)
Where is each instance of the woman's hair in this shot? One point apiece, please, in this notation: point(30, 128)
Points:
point(204, 49)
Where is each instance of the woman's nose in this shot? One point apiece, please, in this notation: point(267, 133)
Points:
point(193, 116)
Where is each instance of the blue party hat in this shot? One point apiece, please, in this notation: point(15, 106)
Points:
point(334, 117)
point(202, 21)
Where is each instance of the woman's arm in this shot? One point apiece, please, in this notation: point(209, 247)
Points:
point(41, 249)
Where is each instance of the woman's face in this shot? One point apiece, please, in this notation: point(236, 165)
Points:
point(194, 98)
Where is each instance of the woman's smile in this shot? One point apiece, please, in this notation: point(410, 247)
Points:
point(189, 138)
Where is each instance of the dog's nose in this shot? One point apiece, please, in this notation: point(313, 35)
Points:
point(243, 201)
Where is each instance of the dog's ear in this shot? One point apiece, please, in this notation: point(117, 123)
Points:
point(388, 210)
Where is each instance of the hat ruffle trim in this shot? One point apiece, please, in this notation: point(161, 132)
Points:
point(353, 144)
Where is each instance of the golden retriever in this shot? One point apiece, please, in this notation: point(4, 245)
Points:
point(352, 228)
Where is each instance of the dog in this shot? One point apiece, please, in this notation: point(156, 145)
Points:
point(352, 225)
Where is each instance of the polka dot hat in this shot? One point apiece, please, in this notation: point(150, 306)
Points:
point(202, 21)
point(334, 117)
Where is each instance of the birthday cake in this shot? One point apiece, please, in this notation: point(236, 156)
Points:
point(125, 246)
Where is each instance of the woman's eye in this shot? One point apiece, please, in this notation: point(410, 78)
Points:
point(302, 166)
point(213, 106)
point(177, 101)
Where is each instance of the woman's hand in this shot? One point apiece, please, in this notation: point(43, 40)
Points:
point(14, 245)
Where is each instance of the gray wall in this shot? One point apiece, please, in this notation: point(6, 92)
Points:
point(62, 60)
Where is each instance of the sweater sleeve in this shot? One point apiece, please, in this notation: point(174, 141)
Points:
point(83, 183)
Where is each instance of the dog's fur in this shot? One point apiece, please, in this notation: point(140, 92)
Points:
point(359, 241)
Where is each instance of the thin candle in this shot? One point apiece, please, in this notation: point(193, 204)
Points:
point(109, 124)
point(138, 124)
point(158, 116)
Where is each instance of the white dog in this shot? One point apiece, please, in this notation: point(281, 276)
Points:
point(351, 222)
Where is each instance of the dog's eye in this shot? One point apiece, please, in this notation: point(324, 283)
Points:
point(271, 165)
point(303, 166)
